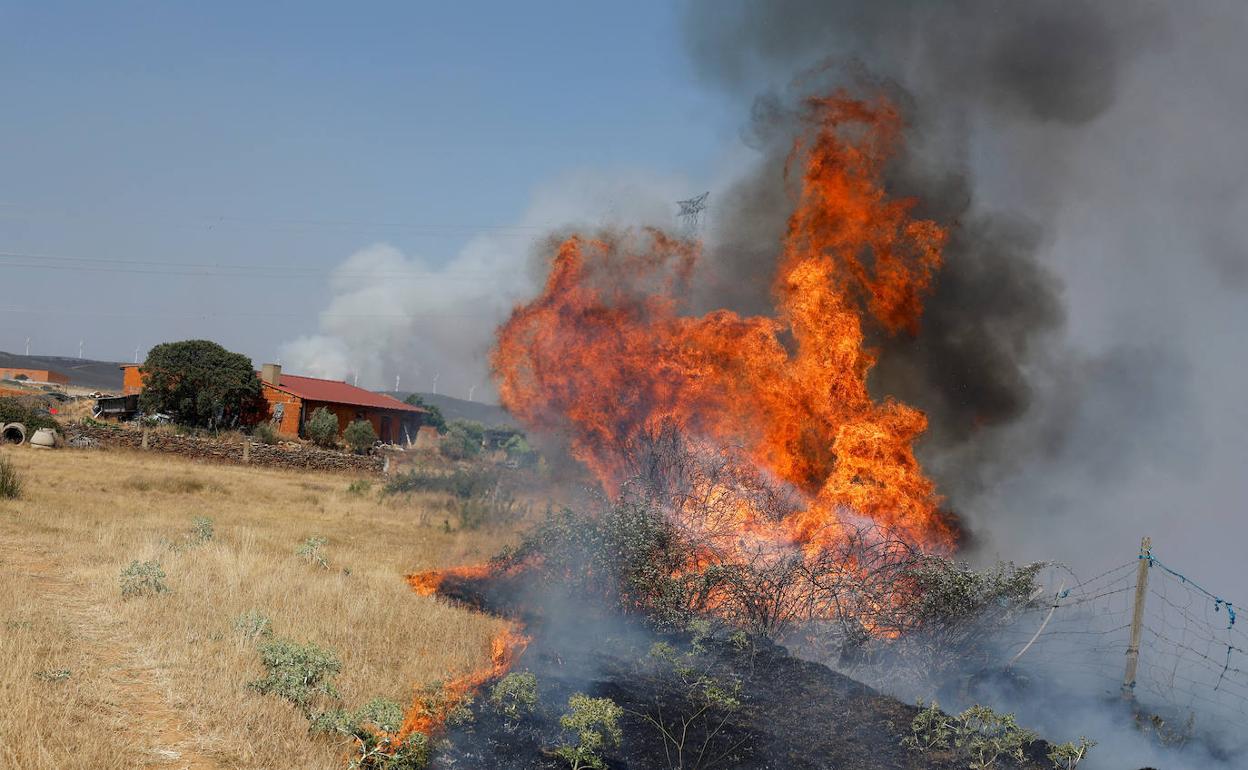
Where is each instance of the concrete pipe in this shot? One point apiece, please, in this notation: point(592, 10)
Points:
point(44, 438)
point(13, 433)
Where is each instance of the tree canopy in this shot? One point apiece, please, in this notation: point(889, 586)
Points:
point(200, 383)
point(434, 417)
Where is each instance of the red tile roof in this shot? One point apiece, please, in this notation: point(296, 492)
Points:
point(337, 392)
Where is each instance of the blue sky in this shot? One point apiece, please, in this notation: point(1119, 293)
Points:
point(293, 135)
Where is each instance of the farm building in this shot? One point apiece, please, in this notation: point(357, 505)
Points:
point(34, 375)
point(292, 399)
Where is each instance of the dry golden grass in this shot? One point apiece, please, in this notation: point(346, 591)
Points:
point(161, 681)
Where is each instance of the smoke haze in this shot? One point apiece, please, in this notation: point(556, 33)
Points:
point(393, 314)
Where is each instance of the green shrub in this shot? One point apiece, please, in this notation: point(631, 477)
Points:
point(144, 578)
point(519, 451)
point(481, 495)
point(312, 551)
point(595, 722)
point(463, 440)
point(359, 487)
point(360, 436)
point(264, 433)
point(201, 530)
point(253, 624)
point(1067, 756)
point(978, 735)
point(10, 482)
point(13, 410)
point(380, 714)
point(515, 694)
point(463, 483)
point(322, 428)
point(300, 673)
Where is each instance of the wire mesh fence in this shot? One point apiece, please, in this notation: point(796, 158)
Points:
point(1192, 672)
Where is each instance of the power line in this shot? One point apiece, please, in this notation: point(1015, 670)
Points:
point(154, 267)
point(211, 221)
point(232, 314)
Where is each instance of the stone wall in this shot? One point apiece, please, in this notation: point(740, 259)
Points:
point(298, 456)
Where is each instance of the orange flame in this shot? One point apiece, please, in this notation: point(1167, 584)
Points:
point(428, 715)
point(609, 350)
point(428, 583)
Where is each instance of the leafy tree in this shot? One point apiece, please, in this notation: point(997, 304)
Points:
point(462, 440)
point(360, 435)
point(434, 417)
point(199, 382)
point(322, 427)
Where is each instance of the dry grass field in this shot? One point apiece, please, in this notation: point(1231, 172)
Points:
point(161, 681)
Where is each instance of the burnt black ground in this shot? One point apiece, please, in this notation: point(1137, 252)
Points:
point(794, 714)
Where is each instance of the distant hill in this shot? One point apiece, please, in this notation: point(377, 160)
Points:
point(101, 375)
point(452, 408)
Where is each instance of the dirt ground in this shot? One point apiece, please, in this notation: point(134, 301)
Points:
point(91, 680)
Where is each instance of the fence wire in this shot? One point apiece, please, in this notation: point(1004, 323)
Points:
point(1193, 654)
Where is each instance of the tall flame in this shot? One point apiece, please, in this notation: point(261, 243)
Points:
point(609, 350)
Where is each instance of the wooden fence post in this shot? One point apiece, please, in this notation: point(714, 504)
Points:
point(1137, 618)
point(145, 430)
point(246, 451)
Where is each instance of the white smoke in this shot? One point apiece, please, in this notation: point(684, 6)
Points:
point(395, 314)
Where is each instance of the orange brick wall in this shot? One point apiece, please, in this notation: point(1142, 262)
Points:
point(131, 381)
point(34, 375)
point(290, 417)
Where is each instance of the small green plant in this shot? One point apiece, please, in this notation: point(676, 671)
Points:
point(978, 735)
point(53, 675)
point(312, 551)
point(202, 530)
point(143, 578)
point(359, 487)
point(515, 694)
point(1067, 756)
point(10, 482)
point(300, 673)
point(253, 624)
point(984, 736)
point(595, 723)
point(930, 729)
point(692, 734)
point(322, 428)
point(264, 433)
point(360, 436)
